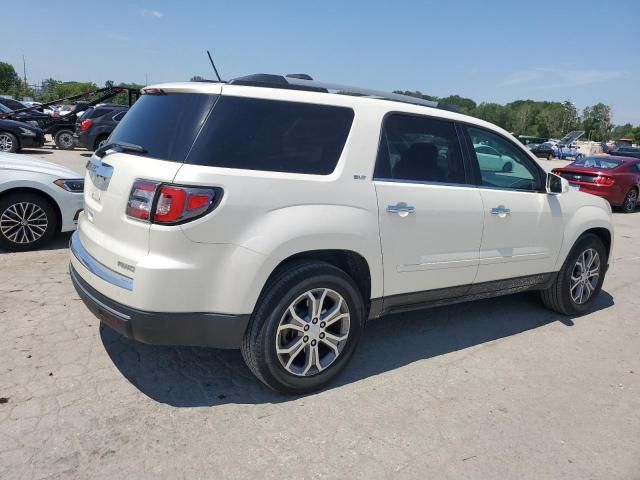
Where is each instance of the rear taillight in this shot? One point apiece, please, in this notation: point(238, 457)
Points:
point(170, 204)
point(603, 180)
point(85, 125)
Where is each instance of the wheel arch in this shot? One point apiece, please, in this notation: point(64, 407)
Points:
point(40, 193)
point(350, 262)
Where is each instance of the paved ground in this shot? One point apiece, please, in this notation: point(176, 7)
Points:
point(498, 389)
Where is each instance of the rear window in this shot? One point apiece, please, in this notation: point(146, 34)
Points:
point(596, 162)
point(164, 125)
point(274, 136)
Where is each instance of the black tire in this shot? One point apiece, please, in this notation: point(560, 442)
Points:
point(18, 242)
point(558, 296)
point(64, 139)
point(630, 201)
point(259, 344)
point(9, 143)
point(99, 140)
point(550, 156)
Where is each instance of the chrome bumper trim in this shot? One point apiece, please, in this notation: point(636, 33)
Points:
point(97, 268)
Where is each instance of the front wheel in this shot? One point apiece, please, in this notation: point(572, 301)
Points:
point(8, 143)
point(27, 221)
point(305, 327)
point(580, 279)
point(64, 140)
point(630, 201)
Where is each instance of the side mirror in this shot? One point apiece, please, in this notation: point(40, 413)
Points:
point(556, 184)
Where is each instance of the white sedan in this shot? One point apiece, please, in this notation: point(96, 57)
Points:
point(37, 199)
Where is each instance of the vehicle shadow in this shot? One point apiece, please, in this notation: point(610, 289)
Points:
point(58, 242)
point(194, 377)
point(30, 151)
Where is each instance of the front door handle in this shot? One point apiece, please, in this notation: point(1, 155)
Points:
point(401, 209)
point(501, 211)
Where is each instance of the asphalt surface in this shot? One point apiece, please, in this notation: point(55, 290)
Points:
point(494, 389)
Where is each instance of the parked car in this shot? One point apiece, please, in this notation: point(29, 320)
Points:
point(615, 178)
point(32, 117)
point(491, 159)
point(93, 128)
point(12, 104)
point(544, 151)
point(626, 152)
point(37, 199)
point(15, 136)
point(270, 215)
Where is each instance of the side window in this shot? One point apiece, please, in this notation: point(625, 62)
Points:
point(419, 149)
point(637, 167)
point(118, 116)
point(501, 163)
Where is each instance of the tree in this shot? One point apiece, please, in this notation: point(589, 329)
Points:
point(492, 112)
point(197, 78)
point(464, 105)
point(596, 122)
point(9, 79)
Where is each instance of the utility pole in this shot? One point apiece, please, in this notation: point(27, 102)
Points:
point(24, 70)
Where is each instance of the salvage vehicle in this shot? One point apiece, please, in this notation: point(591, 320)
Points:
point(93, 128)
point(614, 178)
point(32, 117)
point(14, 136)
point(37, 199)
point(276, 215)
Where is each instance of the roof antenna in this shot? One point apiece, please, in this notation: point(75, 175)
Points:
point(214, 67)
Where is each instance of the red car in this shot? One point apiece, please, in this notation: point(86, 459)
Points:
point(614, 178)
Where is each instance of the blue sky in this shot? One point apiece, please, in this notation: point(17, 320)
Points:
point(498, 51)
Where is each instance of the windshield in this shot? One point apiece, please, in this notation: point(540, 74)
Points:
point(596, 162)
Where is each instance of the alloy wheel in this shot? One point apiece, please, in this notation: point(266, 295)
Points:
point(631, 200)
point(313, 332)
point(6, 143)
point(585, 276)
point(23, 222)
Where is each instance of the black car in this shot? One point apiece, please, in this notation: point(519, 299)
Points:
point(96, 124)
point(626, 152)
point(17, 135)
point(33, 117)
point(543, 151)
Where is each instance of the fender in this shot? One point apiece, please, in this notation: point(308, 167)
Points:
point(585, 218)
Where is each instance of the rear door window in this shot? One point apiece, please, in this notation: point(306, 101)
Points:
point(275, 136)
point(165, 125)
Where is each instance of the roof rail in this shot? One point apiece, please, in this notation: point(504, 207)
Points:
point(303, 81)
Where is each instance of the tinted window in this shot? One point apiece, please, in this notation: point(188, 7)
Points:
point(419, 149)
point(118, 116)
point(164, 125)
point(98, 112)
point(273, 136)
point(507, 166)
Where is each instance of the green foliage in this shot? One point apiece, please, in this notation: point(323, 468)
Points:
point(596, 122)
point(9, 79)
point(197, 78)
point(54, 89)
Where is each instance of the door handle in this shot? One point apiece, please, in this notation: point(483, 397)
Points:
point(401, 209)
point(501, 211)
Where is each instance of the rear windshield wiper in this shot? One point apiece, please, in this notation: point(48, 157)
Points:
point(119, 147)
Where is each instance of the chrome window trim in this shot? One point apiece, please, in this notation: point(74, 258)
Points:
point(97, 268)
point(425, 182)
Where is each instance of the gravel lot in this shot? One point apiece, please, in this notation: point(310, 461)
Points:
point(499, 389)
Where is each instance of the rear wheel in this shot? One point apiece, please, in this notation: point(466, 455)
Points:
point(8, 143)
point(550, 156)
point(27, 221)
point(305, 328)
point(64, 140)
point(100, 141)
point(630, 201)
point(580, 279)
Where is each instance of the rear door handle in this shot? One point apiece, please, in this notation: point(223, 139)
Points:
point(401, 209)
point(500, 210)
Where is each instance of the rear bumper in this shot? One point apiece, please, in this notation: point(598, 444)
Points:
point(612, 194)
point(157, 328)
point(26, 142)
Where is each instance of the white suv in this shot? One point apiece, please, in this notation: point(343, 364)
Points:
point(272, 215)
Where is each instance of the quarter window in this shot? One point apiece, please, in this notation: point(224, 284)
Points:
point(501, 163)
point(419, 149)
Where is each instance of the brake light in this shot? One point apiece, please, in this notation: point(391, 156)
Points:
point(86, 125)
point(173, 203)
point(603, 180)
